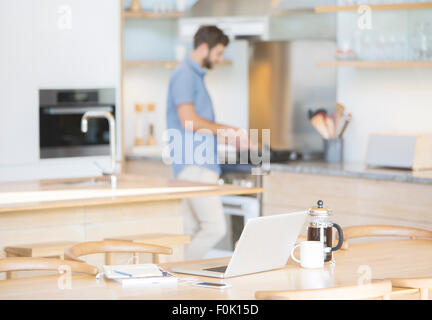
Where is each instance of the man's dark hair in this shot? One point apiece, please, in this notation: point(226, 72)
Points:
point(211, 35)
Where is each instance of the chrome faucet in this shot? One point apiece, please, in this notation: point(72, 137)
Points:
point(112, 133)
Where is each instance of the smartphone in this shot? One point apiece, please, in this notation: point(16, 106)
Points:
point(212, 285)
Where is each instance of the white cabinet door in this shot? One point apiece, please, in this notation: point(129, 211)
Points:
point(78, 43)
point(18, 94)
point(50, 44)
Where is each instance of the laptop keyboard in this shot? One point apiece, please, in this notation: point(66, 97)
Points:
point(221, 269)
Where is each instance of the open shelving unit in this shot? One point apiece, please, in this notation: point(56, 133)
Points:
point(126, 14)
point(152, 15)
point(375, 64)
point(388, 6)
point(166, 64)
point(145, 64)
point(155, 15)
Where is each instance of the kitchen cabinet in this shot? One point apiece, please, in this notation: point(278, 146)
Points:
point(78, 43)
point(51, 44)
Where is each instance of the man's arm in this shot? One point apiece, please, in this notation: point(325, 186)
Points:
point(186, 112)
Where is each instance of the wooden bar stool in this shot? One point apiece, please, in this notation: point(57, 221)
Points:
point(37, 250)
point(160, 239)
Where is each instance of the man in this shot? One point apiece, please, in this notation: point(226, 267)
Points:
point(190, 109)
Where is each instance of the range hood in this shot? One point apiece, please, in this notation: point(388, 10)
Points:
point(263, 19)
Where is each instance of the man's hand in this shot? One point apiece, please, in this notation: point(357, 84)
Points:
point(242, 140)
point(238, 138)
point(226, 134)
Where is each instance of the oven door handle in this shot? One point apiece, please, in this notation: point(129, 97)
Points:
point(75, 110)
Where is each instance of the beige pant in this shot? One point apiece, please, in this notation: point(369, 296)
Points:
point(204, 219)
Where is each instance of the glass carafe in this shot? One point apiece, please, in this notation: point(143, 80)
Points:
point(320, 228)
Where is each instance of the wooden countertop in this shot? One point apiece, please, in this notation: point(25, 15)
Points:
point(387, 259)
point(66, 193)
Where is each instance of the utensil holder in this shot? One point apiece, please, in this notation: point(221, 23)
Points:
point(333, 150)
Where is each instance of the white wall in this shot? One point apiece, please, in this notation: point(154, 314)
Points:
point(18, 94)
point(227, 85)
point(384, 99)
point(43, 49)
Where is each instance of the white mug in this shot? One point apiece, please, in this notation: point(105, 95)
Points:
point(311, 254)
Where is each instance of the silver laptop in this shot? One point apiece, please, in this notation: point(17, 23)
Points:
point(265, 244)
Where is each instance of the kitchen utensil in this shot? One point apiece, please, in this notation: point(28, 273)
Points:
point(319, 123)
point(313, 113)
point(335, 124)
point(320, 229)
point(347, 121)
point(340, 112)
point(340, 109)
point(330, 126)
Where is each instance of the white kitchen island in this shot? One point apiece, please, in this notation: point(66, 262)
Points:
point(89, 209)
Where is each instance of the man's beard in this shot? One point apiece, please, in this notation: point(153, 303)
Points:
point(206, 63)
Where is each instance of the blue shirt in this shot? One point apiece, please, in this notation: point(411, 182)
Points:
point(188, 148)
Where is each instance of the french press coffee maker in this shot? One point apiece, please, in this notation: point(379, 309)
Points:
point(320, 229)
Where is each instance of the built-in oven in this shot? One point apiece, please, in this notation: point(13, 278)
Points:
point(60, 113)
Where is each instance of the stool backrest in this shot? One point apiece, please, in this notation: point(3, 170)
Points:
point(363, 231)
point(31, 264)
point(112, 246)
